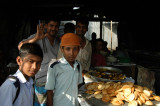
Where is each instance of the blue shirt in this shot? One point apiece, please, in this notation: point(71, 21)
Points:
point(8, 92)
point(63, 80)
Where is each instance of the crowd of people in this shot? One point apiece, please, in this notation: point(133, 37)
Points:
point(51, 69)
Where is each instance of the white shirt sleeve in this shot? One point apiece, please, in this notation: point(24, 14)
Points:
point(50, 84)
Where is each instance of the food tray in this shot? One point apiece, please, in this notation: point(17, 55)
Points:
point(107, 71)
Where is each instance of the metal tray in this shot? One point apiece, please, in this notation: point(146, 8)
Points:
point(106, 70)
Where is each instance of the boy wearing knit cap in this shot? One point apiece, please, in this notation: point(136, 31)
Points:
point(65, 75)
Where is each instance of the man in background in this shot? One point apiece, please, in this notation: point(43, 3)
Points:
point(85, 53)
point(69, 28)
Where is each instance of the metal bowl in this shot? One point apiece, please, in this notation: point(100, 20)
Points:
point(108, 71)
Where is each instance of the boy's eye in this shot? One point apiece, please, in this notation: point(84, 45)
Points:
point(31, 61)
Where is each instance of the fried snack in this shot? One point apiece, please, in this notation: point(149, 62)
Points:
point(127, 92)
point(110, 87)
point(120, 101)
point(130, 97)
point(107, 86)
point(90, 92)
point(98, 96)
point(144, 96)
point(113, 94)
point(133, 103)
point(120, 95)
point(132, 90)
point(123, 87)
point(106, 98)
point(151, 98)
point(117, 93)
point(139, 101)
point(98, 92)
point(149, 103)
point(115, 101)
point(157, 98)
point(151, 92)
point(110, 91)
point(90, 87)
point(115, 85)
point(104, 91)
point(147, 92)
point(138, 88)
point(101, 86)
point(136, 94)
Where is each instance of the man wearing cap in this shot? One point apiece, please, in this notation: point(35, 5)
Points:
point(65, 75)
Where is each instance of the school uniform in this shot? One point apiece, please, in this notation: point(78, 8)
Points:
point(63, 80)
point(49, 54)
point(8, 91)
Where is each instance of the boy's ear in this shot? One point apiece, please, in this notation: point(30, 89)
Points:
point(19, 60)
point(62, 48)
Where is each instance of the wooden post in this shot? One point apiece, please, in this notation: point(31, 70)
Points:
point(101, 29)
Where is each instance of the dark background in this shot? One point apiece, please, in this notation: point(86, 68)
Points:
point(138, 25)
point(138, 21)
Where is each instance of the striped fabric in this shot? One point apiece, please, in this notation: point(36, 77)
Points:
point(40, 95)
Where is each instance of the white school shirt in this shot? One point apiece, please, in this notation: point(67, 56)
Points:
point(63, 80)
point(8, 92)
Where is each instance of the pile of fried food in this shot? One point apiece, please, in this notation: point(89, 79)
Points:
point(118, 93)
point(111, 76)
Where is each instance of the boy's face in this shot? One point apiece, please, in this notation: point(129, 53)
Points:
point(70, 53)
point(81, 29)
point(29, 65)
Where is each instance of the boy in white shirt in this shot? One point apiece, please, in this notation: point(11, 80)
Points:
point(65, 75)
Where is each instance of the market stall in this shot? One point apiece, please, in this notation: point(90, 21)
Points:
point(109, 86)
point(124, 96)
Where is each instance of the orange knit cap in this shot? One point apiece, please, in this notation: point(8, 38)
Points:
point(70, 39)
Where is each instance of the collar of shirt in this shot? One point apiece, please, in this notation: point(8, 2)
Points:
point(55, 40)
point(64, 61)
point(22, 79)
